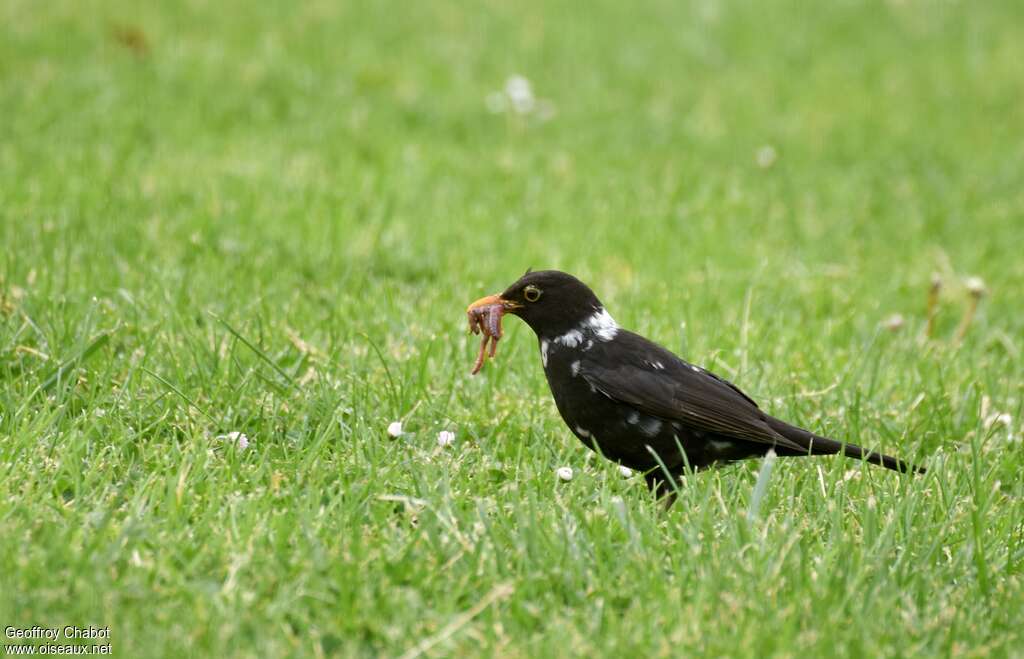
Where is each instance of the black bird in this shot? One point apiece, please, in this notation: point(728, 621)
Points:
point(637, 403)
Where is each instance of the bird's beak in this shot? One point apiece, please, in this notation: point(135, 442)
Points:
point(508, 305)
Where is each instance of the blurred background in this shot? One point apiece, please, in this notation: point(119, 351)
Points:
point(355, 167)
point(375, 139)
point(268, 217)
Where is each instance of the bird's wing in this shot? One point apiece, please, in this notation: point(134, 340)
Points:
point(645, 376)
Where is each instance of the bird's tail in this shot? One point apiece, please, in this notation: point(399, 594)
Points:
point(817, 445)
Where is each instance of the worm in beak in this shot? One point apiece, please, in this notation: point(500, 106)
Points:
point(485, 318)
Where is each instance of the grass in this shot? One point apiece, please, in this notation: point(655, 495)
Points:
point(268, 218)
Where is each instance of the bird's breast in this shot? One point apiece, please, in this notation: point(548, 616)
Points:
point(562, 367)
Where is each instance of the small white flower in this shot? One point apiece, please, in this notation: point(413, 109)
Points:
point(894, 322)
point(520, 94)
point(517, 96)
point(445, 438)
point(975, 286)
point(625, 471)
point(395, 429)
point(564, 473)
point(766, 156)
point(240, 440)
point(999, 419)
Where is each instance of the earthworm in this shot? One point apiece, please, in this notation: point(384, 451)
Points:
point(486, 320)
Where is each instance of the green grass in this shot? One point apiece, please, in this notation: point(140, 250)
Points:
point(269, 217)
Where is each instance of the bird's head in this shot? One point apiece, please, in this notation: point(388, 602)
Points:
point(550, 302)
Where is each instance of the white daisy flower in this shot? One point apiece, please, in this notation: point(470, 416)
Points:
point(999, 419)
point(240, 440)
point(395, 429)
point(520, 94)
point(564, 473)
point(975, 286)
point(445, 438)
point(894, 322)
point(517, 97)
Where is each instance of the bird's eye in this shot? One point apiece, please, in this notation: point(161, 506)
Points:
point(531, 293)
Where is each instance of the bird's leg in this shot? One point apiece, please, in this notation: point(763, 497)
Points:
point(663, 489)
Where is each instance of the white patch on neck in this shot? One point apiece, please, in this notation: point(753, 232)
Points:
point(544, 352)
point(570, 339)
point(602, 324)
point(575, 368)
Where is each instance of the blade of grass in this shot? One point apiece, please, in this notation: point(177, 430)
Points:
point(259, 353)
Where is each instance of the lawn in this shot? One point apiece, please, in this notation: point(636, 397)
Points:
point(268, 218)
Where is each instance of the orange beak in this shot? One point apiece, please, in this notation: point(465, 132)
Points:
point(493, 299)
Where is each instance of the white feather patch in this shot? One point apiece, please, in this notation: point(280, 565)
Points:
point(570, 339)
point(720, 446)
point(544, 352)
point(650, 426)
point(602, 324)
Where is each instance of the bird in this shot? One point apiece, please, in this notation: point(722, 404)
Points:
point(637, 403)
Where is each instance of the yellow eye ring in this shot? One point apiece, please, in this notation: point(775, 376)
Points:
point(531, 293)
